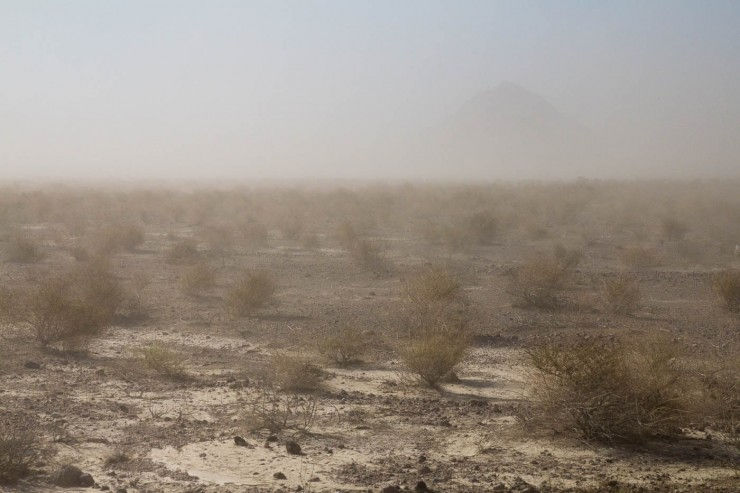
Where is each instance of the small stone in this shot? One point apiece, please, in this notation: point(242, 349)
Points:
point(86, 480)
point(32, 365)
point(279, 475)
point(421, 486)
point(425, 470)
point(292, 447)
point(67, 476)
point(239, 441)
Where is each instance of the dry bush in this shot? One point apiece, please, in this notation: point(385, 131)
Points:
point(347, 235)
point(342, 345)
point(275, 412)
point(727, 285)
point(164, 361)
point(609, 390)
point(639, 258)
point(250, 293)
point(482, 228)
point(119, 237)
point(23, 250)
point(369, 257)
point(198, 279)
point(673, 229)
point(621, 294)
point(433, 284)
point(538, 282)
point(719, 402)
point(115, 458)
point(184, 251)
point(434, 353)
point(568, 258)
point(219, 238)
point(71, 309)
point(296, 373)
point(20, 448)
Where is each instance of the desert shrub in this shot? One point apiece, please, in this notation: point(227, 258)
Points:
point(433, 354)
point(219, 238)
point(198, 279)
point(727, 285)
point(23, 250)
point(673, 229)
point(342, 345)
point(568, 258)
point(432, 297)
point(20, 448)
point(276, 412)
point(347, 235)
point(184, 251)
point(538, 282)
point(116, 457)
point(250, 293)
point(719, 403)
point(164, 361)
point(609, 390)
point(296, 373)
point(119, 237)
point(621, 294)
point(71, 309)
point(369, 257)
point(482, 228)
point(638, 258)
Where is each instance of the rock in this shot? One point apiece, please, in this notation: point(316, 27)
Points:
point(240, 442)
point(71, 476)
point(279, 475)
point(421, 486)
point(272, 438)
point(499, 487)
point(121, 490)
point(32, 365)
point(422, 458)
point(86, 480)
point(292, 447)
point(425, 470)
point(391, 489)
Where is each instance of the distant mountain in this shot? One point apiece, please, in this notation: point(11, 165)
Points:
point(510, 132)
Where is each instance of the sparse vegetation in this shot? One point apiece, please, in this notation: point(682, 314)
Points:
point(198, 279)
point(342, 345)
point(250, 293)
point(20, 447)
point(164, 361)
point(621, 294)
point(296, 373)
point(609, 390)
point(538, 282)
point(434, 353)
point(276, 412)
point(727, 285)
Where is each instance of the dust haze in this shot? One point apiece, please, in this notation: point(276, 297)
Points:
point(368, 90)
point(369, 246)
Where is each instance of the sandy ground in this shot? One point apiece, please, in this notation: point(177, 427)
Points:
point(374, 425)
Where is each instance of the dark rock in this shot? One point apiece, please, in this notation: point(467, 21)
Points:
point(105, 488)
point(121, 490)
point(391, 489)
point(86, 480)
point(272, 438)
point(240, 442)
point(279, 475)
point(425, 470)
point(68, 476)
point(32, 365)
point(421, 486)
point(292, 447)
point(422, 458)
point(314, 479)
point(500, 487)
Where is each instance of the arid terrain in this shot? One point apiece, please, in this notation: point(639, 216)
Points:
point(371, 337)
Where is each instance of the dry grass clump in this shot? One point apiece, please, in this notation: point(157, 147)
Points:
point(342, 345)
point(276, 412)
point(720, 394)
point(198, 279)
point(184, 251)
point(432, 285)
point(639, 258)
point(23, 250)
point(610, 391)
point(365, 253)
point(250, 293)
point(727, 285)
point(69, 310)
point(538, 282)
point(621, 294)
point(164, 361)
point(20, 448)
point(433, 354)
point(482, 228)
point(296, 373)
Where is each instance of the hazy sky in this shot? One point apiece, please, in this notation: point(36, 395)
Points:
point(184, 89)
